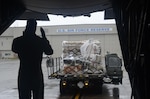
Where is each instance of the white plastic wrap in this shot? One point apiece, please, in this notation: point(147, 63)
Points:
point(77, 53)
point(90, 50)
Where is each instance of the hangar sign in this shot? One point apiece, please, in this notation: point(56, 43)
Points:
point(102, 29)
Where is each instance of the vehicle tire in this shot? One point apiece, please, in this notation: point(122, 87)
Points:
point(121, 80)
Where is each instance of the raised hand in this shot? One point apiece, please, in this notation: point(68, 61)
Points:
point(42, 33)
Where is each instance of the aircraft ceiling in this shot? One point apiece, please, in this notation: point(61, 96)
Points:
point(67, 7)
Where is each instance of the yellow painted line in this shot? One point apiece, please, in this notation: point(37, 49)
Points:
point(77, 96)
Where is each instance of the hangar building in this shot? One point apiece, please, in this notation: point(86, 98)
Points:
point(106, 33)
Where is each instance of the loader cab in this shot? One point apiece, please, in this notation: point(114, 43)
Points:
point(114, 68)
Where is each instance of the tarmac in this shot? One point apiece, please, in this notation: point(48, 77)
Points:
point(8, 85)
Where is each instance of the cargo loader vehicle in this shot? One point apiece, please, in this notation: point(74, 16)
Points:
point(80, 67)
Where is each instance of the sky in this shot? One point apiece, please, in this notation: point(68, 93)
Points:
point(95, 18)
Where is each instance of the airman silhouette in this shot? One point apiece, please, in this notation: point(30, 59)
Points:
point(30, 49)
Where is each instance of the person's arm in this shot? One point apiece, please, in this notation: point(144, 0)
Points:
point(47, 47)
point(14, 46)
